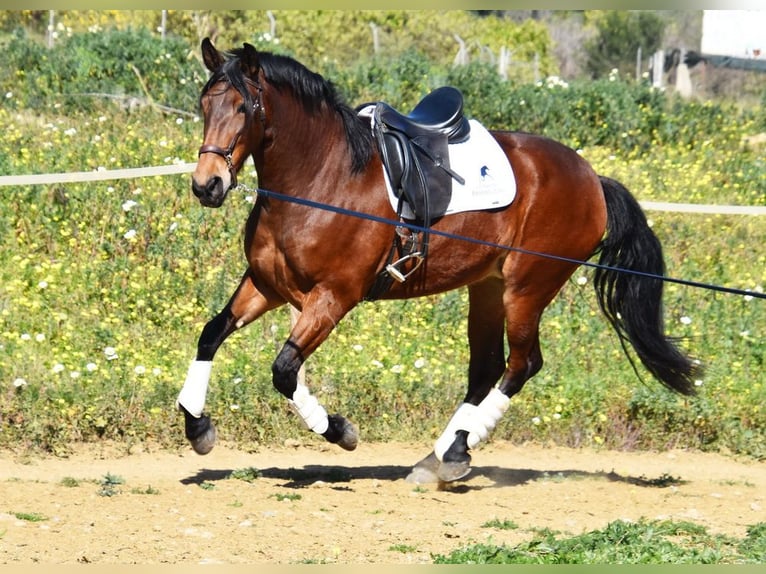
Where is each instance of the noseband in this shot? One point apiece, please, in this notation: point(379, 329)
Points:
point(227, 153)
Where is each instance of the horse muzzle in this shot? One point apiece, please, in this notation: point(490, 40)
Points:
point(212, 192)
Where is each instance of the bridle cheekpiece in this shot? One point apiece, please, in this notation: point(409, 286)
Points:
point(227, 153)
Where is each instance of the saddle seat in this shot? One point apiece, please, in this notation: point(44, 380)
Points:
point(439, 112)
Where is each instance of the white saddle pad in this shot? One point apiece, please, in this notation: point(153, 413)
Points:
point(489, 179)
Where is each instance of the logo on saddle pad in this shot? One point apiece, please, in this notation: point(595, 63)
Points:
point(489, 180)
point(477, 175)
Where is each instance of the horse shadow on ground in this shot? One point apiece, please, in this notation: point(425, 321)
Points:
point(342, 477)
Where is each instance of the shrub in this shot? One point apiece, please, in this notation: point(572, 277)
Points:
point(127, 65)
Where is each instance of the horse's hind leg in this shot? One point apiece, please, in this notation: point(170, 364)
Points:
point(524, 299)
point(246, 304)
point(486, 321)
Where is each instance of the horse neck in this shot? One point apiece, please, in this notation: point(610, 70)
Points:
point(300, 148)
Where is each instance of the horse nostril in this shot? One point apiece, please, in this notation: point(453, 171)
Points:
point(197, 189)
point(207, 189)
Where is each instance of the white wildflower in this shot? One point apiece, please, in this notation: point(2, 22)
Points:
point(128, 205)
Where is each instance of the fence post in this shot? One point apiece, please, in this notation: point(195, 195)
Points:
point(462, 55)
point(683, 79)
point(658, 65)
point(375, 37)
point(51, 26)
point(502, 65)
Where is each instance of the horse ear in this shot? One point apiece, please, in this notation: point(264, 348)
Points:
point(250, 61)
point(212, 57)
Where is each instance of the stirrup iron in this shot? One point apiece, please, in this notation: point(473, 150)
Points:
point(393, 270)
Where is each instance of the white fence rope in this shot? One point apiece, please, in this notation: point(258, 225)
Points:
point(181, 168)
point(98, 175)
point(700, 208)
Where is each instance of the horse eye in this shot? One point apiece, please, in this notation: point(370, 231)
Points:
point(241, 109)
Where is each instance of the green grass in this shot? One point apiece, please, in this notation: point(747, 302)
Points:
point(148, 490)
point(249, 474)
point(109, 485)
point(500, 524)
point(403, 548)
point(30, 516)
point(644, 542)
point(292, 497)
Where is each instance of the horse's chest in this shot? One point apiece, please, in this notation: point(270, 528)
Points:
point(272, 252)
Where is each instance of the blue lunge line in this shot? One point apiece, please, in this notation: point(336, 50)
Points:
point(432, 231)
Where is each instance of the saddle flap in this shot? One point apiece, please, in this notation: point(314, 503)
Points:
point(414, 149)
point(418, 170)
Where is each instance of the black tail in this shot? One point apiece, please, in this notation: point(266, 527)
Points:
point(633, 302)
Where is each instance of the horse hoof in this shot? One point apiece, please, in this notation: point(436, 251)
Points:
point(350, 438)
point(425, 471)
point(342, 433)
point(204, 443)
point(452, 471)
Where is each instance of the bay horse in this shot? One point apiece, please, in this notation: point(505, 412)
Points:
point(307, 143)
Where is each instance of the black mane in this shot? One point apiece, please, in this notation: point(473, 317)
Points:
point(309, 88)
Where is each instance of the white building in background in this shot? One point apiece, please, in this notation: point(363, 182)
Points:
point(735, 33)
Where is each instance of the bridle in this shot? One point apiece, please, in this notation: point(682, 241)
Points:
point(227, 153)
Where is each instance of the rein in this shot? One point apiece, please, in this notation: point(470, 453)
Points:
point(418, 228)
point(227, 153)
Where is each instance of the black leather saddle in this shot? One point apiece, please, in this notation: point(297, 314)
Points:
point(414, 149)
point(439, 112)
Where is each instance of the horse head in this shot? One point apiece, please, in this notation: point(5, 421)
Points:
point(234, 118)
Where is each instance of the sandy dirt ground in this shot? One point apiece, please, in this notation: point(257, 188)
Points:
point(316, 503)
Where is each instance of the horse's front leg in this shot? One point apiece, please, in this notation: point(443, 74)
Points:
point(321, 312)
point(246, 304)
